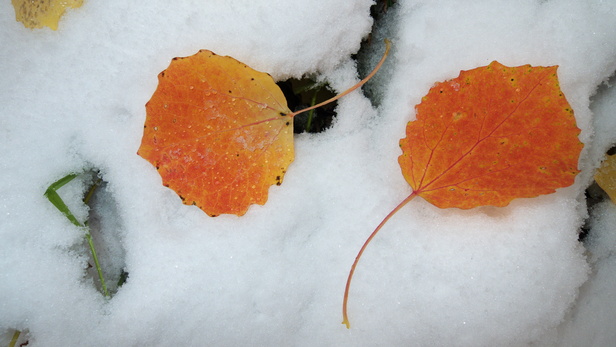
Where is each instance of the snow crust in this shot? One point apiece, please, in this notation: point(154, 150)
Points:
point(74, 99)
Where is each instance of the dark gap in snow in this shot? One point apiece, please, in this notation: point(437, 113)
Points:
point(104, 225)
point(603, 88)
point(304, 93)
point(107, 233)
point(372, 48)
point(594, 195)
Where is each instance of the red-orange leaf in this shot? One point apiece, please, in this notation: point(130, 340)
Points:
point(491, 135)
point(219, 133)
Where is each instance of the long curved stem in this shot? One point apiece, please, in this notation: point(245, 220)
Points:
point(361, 83)
point(345, 318)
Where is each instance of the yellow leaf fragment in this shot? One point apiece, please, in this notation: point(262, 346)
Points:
point(39, 13)
point(606, 176)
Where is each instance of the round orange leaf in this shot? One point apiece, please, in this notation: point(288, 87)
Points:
point(218, 132)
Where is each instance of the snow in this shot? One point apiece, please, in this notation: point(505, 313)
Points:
point(74, 99)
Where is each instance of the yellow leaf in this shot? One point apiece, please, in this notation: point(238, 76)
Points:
point(39, 13)
point(606, 176)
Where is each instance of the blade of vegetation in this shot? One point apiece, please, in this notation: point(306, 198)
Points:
point(52, 194)
point(14, 338)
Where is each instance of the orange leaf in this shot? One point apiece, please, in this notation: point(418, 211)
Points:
point(493, 134)
point(218, 132)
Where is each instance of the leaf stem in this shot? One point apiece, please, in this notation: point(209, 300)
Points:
point(361, 83)
point(345, 318)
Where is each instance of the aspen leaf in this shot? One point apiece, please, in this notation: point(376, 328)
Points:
point(491, 135)
point(203, 135)
point(606, 176)
point(39, 13)
point(220, 133)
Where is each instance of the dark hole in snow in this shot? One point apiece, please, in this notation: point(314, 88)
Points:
point(594, 195)
point(106, 227)
point(304, 93)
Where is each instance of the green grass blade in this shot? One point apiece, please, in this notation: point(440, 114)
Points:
point(99, 270)
point(311, 112)
point(14, 339)
point(52, 194)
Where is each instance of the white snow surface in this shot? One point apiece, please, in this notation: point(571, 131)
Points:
point(73, 99)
